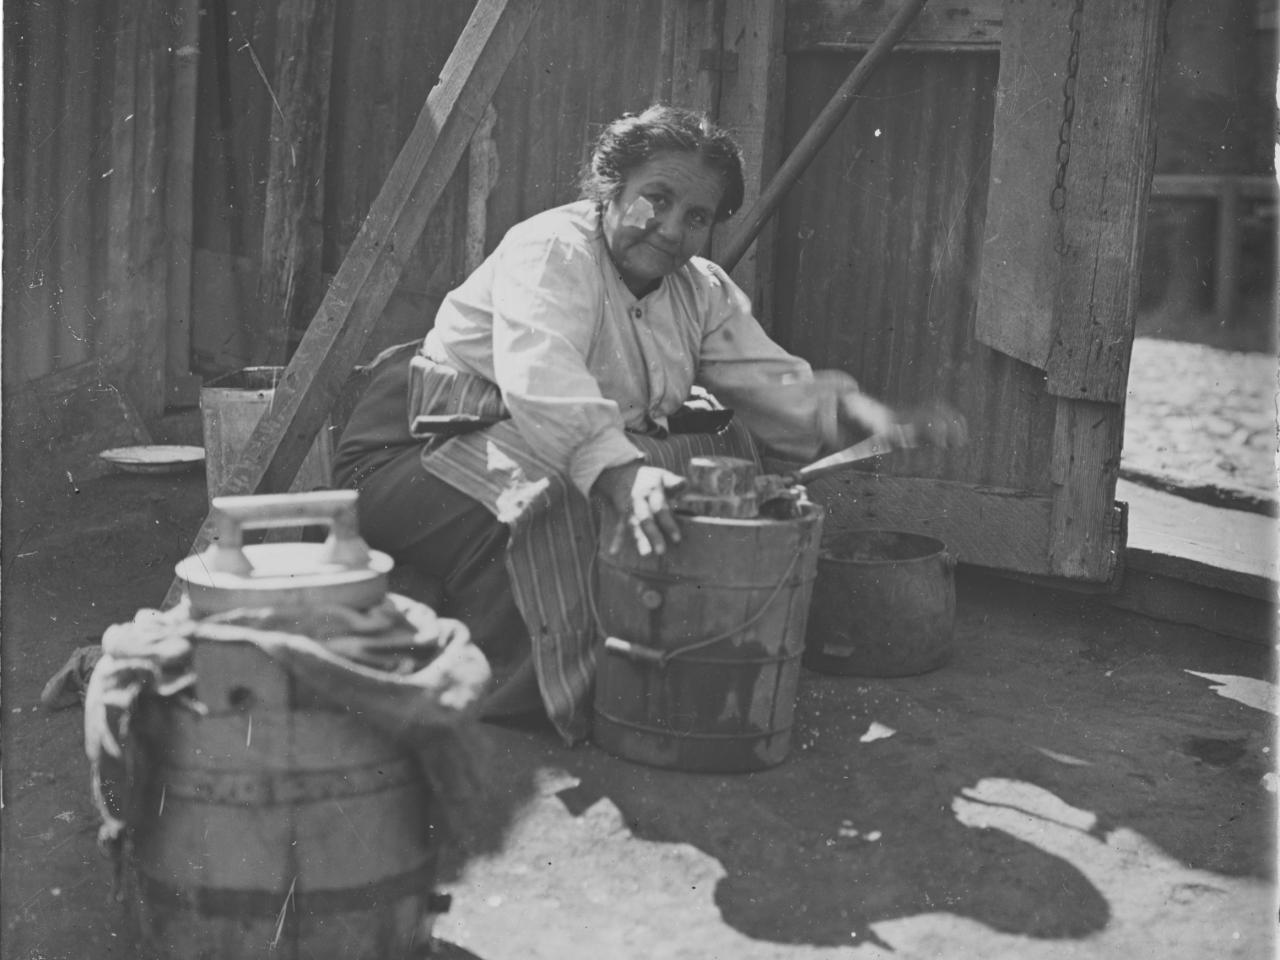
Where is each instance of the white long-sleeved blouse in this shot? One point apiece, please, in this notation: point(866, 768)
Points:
point(580, 360)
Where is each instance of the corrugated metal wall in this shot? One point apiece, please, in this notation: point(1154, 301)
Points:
point(579, 67)
point(59, 66)
point(879, 255)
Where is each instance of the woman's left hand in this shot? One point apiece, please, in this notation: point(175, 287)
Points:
point(936, 425)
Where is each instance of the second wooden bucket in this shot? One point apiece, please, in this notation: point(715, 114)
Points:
point(702, 657)
point(275, 825)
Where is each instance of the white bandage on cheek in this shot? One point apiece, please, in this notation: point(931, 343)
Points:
point(638, 214)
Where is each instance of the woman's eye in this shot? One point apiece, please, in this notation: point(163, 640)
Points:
point(699, 219)
point(658, 201)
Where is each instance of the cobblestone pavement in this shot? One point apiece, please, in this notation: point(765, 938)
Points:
point(1204, 419)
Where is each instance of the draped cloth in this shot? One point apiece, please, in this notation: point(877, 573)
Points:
point(428, 710)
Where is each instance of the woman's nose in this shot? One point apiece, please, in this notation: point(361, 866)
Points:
point(669, 226)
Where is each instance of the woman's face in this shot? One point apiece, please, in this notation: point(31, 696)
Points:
point(662, 217)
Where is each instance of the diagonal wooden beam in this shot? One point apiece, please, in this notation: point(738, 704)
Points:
point(372, 268)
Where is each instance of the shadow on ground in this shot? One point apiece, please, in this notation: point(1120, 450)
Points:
point(1079, 727)
point(1064, 777)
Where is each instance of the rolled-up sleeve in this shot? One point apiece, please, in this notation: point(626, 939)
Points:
point(780, 399)
point(546, 305)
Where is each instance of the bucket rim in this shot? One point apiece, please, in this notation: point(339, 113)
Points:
point(226, 381)
point(809, 513)
point(941, 547)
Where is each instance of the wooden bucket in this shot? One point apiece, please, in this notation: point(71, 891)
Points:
point(702, 658)
point(275, 826)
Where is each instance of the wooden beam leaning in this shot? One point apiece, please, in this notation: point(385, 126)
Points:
point(369, 273)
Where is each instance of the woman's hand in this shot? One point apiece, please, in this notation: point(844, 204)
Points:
point(936, 425)
point(639, 495)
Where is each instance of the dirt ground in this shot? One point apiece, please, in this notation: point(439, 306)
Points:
point(1076, 782)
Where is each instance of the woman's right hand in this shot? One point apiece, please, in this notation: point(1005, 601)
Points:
point(639, 493)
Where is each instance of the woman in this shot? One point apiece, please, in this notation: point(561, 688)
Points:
point(551, 377)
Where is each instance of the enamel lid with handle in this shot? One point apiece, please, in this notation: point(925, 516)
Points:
point(229, 574)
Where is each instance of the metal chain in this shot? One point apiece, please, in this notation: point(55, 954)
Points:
point(1058, 198)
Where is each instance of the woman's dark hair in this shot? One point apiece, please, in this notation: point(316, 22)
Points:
point(633, 139)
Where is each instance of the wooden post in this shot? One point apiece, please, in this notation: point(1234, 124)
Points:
point(369, 273)
point(482, 175)
point(691, 52)
point(181, 386)
point(1085, 534)
point(1107, 181)
point(1227, 252)
point(752, 97)
point(133, 330)
point(289, 282)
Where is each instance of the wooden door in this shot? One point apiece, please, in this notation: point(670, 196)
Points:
point(971, 234)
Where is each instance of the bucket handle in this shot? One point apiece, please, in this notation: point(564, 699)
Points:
point(639, 652)
point(233, 515)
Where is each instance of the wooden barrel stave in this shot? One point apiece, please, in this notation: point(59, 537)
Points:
point(277, 831)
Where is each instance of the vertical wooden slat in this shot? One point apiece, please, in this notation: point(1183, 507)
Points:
point(1108, 179)
point(36, 326)
point(289, 281)
point(115, 330)
point(696, 35)
point(69, 236)
point(752, 95)
point(133, 330)
point(663, 82)
point(17, 81)
point(181, 387)
point(482, 175)
point(1226, 253)
point(1020, 262)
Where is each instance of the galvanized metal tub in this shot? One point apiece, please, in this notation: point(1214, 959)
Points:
point(230, 408)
